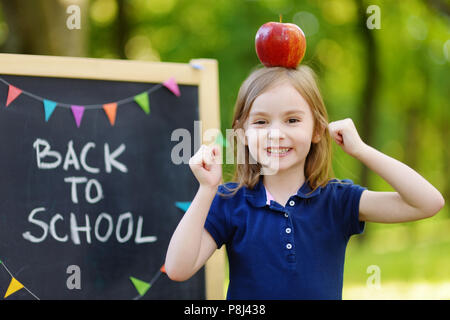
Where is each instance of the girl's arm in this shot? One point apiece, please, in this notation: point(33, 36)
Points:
point(191, 245)
point(415, 198)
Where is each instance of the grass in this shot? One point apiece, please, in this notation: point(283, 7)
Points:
point(413, 260)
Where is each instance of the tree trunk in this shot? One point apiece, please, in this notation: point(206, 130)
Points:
point(367, 111)
point(446, 137)
point(122, 28)
point(39, 27)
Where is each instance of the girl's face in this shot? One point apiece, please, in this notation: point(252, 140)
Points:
point(279, 129)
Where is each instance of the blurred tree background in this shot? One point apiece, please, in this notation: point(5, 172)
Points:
point(393, 82)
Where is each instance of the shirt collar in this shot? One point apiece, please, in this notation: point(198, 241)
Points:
point(258, 195)
point(269, 197)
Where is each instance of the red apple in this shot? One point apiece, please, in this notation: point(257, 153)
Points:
point(280, 44)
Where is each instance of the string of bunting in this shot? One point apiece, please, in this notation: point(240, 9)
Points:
point(141, 286)
point(110, 108)
point(14, 285)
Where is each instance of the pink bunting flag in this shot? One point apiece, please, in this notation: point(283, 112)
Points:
point(77, 114)
point(171, 84)
point(13, 93)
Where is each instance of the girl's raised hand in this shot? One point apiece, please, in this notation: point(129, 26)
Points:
point(206, 165)
point(346, 136)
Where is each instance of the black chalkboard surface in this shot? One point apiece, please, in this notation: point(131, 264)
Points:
point(106, 210)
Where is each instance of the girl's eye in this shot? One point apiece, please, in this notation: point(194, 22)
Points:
point(259, 122)
point(293, 120)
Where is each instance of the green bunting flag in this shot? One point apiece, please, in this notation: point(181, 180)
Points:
point(141, 286)
point(143, 102)
point(221, 141)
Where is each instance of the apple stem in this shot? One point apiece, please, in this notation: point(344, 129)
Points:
point(281, 18)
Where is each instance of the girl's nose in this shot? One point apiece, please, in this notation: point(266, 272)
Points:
point(275, 134)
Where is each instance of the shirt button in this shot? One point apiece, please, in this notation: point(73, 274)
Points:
point(289, 246)
point(288, 230)
point(286, 215)
point(291, 203)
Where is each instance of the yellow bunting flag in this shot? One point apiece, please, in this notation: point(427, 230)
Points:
point(13, 287)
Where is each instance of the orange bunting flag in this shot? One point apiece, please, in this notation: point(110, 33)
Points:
point(110, 110)
point(163, 269)
point(14, 286)
point(13, 93)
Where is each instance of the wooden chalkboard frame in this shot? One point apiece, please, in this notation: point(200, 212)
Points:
point(199, 72)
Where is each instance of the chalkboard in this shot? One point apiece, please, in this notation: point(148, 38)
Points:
point(87, 210)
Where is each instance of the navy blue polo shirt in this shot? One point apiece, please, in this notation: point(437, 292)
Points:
point(294, 251)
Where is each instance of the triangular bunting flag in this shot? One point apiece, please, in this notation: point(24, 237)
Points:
point(143, 102)
point(171, 84)
point(163, 269)
point(77, 114)
point(183, 205)
point(110, 110)
point(220, 140)
point(140, 285)
point(13, 93)
point(49, 106)
point(14, 286)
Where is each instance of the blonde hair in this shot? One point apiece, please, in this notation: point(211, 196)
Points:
point(318, 167)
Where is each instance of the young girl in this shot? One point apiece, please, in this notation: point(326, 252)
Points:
point(284, 222)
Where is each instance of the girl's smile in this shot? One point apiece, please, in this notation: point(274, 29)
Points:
point(278, 152)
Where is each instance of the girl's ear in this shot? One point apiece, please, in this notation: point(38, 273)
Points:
point(316, 138)
point(317, 135)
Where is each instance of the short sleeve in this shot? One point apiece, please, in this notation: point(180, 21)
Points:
point(348, 196)
point(217, 221)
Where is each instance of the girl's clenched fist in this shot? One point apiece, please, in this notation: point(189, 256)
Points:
point(206, 165)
